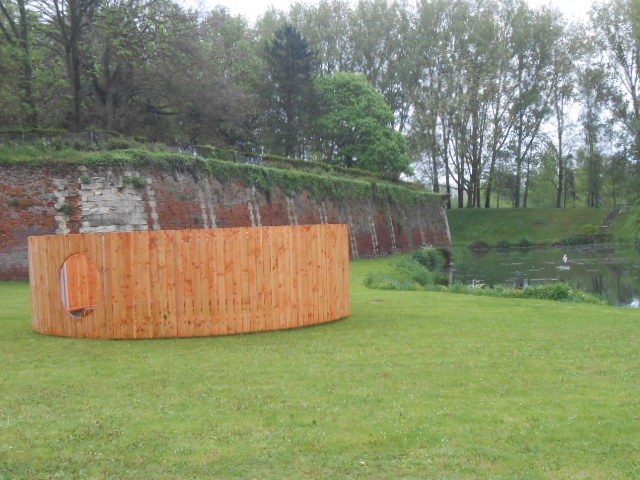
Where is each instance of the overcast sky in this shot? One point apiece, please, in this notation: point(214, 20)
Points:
point(251, 9)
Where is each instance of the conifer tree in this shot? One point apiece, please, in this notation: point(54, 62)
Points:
point(290, 98)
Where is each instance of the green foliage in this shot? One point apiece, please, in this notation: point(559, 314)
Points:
point(135, 182)
point(503, 244)
point(558, 292)
point(627, 226)
point(355, 126)
point(388, 281)
point(576, 239)
point(66, 209)
point(430, 257)
point(525, 243)
point(479, 246)
point(291, 93)
point(589, 229)
point(552, 291)
point(413, 270)
point(290, 181)
point(409, 273)
point(512, 224)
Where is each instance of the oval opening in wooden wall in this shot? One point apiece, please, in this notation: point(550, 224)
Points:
point(79, 285)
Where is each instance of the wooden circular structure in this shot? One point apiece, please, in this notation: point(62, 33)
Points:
point(187, 283)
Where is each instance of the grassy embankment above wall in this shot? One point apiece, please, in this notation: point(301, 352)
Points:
point(321, 183)
point(536, 225)
point(412, 385)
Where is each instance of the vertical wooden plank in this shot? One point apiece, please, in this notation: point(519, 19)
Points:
point(276, 272)
point(270, 267)
point(335, 273)
point(212, 268)
point(185, 282)
point(141, 244)
point(128, 265)
point(65, 324)
point(169, 272)
point(252, 280)
point(199, 266)
point(54, 253)
point(313, 256)
point(231, 281)
point(322, 277)
point(116, 283)
point(156, 285)
point(294, 254)
point(76, 265)
point(303, 274)
point(37, 283)
point(205, 280)
point(179, 279)
point(237, 276)
point(261, 305)
point(221, 282)
point(244, 321)
point(289, 277)
point(43, 277)
point(94, 327)
point(346, 276)
point(126, 324)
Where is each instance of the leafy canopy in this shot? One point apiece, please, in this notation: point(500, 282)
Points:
point(355, 126)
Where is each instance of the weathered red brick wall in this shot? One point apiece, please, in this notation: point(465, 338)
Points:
point(66, 198)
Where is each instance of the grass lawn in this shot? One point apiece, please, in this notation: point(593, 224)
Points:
point(412, 385)
point(515, 224)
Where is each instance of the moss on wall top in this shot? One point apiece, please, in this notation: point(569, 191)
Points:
point(289, 180)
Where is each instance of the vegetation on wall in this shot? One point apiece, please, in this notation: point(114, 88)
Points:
point(290, 181)
point(486, 105)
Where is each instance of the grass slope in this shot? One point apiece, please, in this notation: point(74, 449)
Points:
point(412, 385)
point(514, 224)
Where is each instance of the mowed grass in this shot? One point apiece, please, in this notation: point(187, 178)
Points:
point(412, 385)
point(514, 224)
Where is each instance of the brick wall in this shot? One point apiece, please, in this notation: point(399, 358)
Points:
point(65, 198)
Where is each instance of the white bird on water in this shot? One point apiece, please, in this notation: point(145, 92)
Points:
point(564, 258)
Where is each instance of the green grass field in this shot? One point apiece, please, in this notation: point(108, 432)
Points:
point(413, 385)
point(514, 224)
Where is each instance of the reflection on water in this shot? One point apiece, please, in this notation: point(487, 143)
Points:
point(612, 272)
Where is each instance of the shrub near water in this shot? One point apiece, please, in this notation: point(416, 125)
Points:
point(411, 273)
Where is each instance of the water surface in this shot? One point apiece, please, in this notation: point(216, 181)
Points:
point(610, 271)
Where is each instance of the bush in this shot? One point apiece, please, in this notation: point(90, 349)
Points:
point(577, 239)
point(429, 257)
point(479, 246)
point(412, 269)
point(503, 245)
point(589, 229)
point(525, 243)
point(551, 291)
point(387, 281)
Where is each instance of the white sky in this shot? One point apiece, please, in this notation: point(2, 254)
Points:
point(251, 9)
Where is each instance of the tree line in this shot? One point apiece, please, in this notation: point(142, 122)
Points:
point(491, 101)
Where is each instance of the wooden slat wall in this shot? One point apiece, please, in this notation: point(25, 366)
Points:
point(188, 283)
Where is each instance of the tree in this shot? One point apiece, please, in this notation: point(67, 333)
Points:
point(561, 90)
point(67, 22)
point(15, 28)
point(290, 96)
point(532, 34)
point(617, 27)
point(327, 28)
point(355, 126)
point(592, 87)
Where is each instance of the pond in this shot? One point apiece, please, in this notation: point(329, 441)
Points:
point(612, 272)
